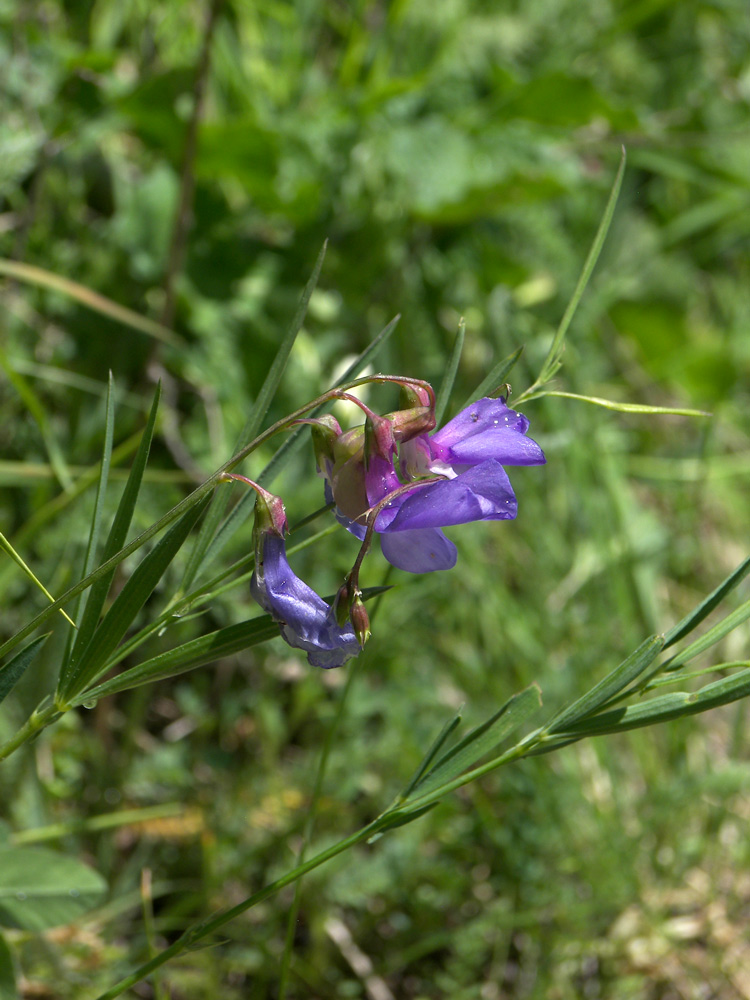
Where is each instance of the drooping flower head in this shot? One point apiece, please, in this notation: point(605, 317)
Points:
point(306, 621)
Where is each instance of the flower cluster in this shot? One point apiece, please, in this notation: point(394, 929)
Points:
point(396, 477)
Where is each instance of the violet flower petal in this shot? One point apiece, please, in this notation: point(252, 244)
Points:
point(419, 551)
point(306, 621)
point(481, 493)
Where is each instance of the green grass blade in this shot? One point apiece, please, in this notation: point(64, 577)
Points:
point(199, 554)
point(96, 521)
point(20, 562)
point(496, 377)
point(704, 609)
point(36, 408)
point(128, 603)
point(91, 300)
point(196, 653)
point(480, 741)
point(431, 754)
point(115, 541)
point(8, 987)
point(666, 707)
point(449, 377)
point(12, 671)
point(630, 668)
point(722, 628)
point(553, 360)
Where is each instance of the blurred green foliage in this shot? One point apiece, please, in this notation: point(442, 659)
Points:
point(457, 155)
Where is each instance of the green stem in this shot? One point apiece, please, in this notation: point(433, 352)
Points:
point(204, 930)
point(37, 721)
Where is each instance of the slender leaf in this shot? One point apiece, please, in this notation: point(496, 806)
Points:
point(480, 741)
point(129, 602)
point(92, 300)
point(41, 889)
point(630, 668)
point(8, 990)
point(252, 426)
point(704, 609)
point(196, 653)
point(36, 408)
point(101, 490)
point(710, 638)
point(431, 754)
point(12, 671)
point(23, 565)
point(609, 404)
point(115, 541)
point(553, 360)
point(449, 377)
point(666, 707)
point(496, 377)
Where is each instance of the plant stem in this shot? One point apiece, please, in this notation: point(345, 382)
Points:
point(36, 722)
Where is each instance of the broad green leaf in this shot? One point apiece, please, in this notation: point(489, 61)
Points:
point(200, 554)
point(480, 741)
point(630, 668)
point(496, 377)
point(666, 707)
point(8, 989)
point(449, 377)
point(116, 540)
point(704, 609)
point(41, 889)
point(431, 754)
point(722, 628)
point(196, 653)
point(129, 602)
point(12, 671)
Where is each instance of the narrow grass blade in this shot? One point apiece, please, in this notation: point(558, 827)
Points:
point(128, 603)
point(496, 377)
point(115, 541)
point(8, 988)
point(704, 609)
point(609, 404)
point(253, 424)
point(480, 741)
point(18, 560)
point(553, 360)
point(36, 408)
point(722, 628)
point(197, 653)
point(630, 668)
point(449, 377)
point(101, 490)
point(431, 754)
point(666, 707)
point(91, 300)
point(12, 671)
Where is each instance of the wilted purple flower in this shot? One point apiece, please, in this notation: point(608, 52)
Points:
point(306, 621)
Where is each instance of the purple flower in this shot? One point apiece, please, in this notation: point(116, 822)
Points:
point(470, 451)
point(305, 619)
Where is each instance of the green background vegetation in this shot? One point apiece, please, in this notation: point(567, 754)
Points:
point(458, 156)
